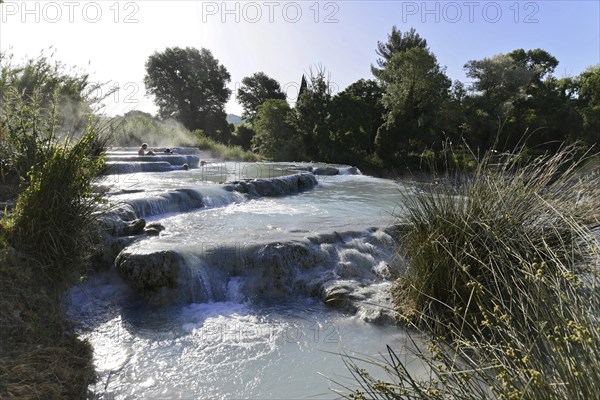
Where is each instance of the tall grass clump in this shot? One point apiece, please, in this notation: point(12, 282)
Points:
point(53, 215)
point(510, 217)
point(503, 279)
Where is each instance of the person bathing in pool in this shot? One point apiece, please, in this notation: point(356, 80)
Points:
point(142, 151)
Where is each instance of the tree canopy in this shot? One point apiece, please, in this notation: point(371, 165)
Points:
point(515, 97)
point(355, 115)
point(312, 115)
point(255, 89)
point(275, 138)
point(588, 102)
point(410, 111)
point(397, 43)
point(190, 86)
point(415, 87)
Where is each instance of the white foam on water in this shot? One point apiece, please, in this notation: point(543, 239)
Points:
point(234, 290)
point(272, 207)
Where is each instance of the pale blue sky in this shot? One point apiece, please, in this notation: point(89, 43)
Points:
point(112, 40)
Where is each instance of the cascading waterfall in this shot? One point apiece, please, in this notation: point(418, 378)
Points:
point(199, 283)
point(148, 202)
point(245, 288)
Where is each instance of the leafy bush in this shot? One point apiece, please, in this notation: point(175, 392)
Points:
point(39, 105)
point(243, 136)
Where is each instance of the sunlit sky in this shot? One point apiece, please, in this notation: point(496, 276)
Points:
point(112, 40)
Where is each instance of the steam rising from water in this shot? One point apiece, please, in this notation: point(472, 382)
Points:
point(137, 127)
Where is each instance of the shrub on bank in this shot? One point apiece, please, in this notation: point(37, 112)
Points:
point(136, 127)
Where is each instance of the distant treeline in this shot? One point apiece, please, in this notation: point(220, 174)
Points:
point(408, 112)
point(402, 118)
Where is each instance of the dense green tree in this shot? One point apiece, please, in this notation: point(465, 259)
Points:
point(499, 79)
point(255, 89)
point(189, 85)
point(415, 88)
point(547, 117)
point(355, 115)
point(451, 116)
point(498, 84)
point(303, 86)
point(397, 43)
point(588, 102)
point(311, 117)
point(515, 100)
point(508, 76)
point(243, 136)
point(275, 136)
point(350, 134)
point(538, 61)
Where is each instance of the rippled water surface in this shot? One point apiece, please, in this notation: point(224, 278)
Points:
point(220, 350)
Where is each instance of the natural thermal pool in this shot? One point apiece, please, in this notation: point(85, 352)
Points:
point(246, 310)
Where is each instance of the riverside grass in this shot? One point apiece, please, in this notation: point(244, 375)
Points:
point(503, 281)
point(43, 247)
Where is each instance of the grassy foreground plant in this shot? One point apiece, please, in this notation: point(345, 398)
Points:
point(53, 215)
point(477, 236)
point(503, 277)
